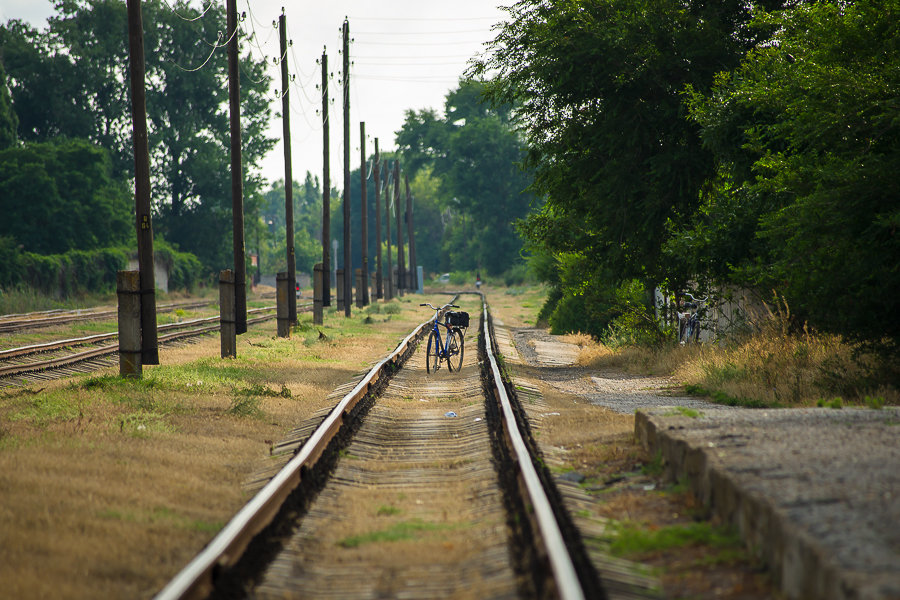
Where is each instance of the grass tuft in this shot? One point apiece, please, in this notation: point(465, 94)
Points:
point(633, 541)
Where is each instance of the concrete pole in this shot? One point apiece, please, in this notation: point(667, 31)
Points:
point(128, 288)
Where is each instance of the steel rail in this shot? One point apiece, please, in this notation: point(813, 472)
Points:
point(564, 574)
point(196, 580)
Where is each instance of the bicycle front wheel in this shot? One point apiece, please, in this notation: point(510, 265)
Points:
point(455, 350)
point(433, 353)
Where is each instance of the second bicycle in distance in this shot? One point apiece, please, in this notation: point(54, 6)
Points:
point(449, 346)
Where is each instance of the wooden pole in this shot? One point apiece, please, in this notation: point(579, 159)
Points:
point(363, 293)
point(288, 177)
point(413, 274)
point(149, 341)
point(376, 172)
point(348, 257)
point(237, 181)
point(401, 275)
point(389, 291)
point(326, 190)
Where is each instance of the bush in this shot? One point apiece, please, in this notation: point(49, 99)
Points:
point(516, 275)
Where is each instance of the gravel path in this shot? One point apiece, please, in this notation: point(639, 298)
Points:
point(617, 391)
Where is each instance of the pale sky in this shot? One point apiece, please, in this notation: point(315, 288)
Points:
point(407, 54)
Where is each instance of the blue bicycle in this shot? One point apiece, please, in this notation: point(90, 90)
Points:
point(450, 347)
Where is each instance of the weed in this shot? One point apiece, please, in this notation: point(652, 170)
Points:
point(874, 402)
point(392, 308)
point(655, 467)
point(836, 403)
point(633, 541)
point(388, 511)
point(405, 530)
point(247, 406)
point(685, 412)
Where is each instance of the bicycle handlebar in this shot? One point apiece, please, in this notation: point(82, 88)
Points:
point(428, 304)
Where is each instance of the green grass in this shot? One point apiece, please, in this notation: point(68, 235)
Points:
point(405, 530)
point(685, 412)
point(633, 541)
point(655, 467)
point(720, 397)
point(245, 406)
point(833, 403)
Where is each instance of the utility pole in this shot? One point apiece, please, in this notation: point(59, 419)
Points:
point(149, 340)
point(376, 172)
point(348, 264)
point(288, 178)
point(413, 273)
point(401, 275)
point(326, 190)
point(237, 183)
point(364, 207)
point(389, 290)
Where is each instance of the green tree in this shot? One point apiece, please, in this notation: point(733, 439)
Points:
point(58, 196)
point(808, 148)
point(8, 119)
point(68, 81)
point(600, 86)
point(474, 153)
point(598, 89)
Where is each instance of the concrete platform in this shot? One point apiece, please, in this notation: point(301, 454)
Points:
point(814, 492)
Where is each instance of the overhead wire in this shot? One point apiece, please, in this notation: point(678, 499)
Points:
point(183, 18)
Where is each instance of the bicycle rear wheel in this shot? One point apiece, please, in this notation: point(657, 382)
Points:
point(455, 350)
point(433, 353)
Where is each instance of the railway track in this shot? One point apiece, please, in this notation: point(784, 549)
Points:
point(62, 358)
point(412, 485)
point(37, 320)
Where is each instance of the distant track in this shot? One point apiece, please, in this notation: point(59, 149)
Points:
point(36, 320)
point(14, 372)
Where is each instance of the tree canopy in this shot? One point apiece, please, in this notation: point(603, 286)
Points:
point(806, 134)
point(59, 196)
point(67, 82)
point(683, 142)
point(475, 155)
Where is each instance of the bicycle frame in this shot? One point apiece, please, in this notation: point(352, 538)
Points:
point(689, 320)
point(442, 343)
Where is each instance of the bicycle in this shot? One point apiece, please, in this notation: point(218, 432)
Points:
point(689, 321)
point(451, 347)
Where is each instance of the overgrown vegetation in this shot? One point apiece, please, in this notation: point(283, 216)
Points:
point(704, 145)
point(772, 367)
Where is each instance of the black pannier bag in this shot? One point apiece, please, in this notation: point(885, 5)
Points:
point(458, 319)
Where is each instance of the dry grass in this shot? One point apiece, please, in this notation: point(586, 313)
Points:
point(108, 487)
point(772, 367)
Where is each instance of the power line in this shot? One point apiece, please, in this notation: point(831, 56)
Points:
point(418, 32)
point(423, 19)
point(183, 18)
point(459, 43)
